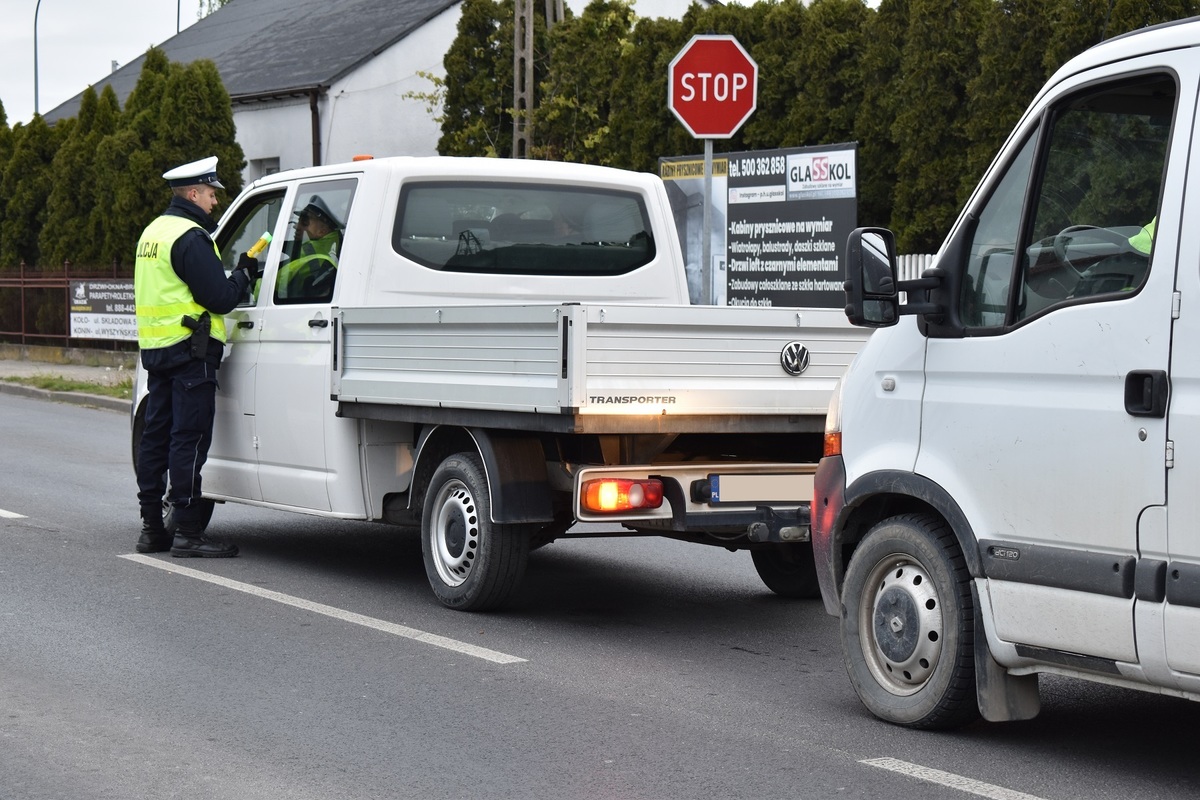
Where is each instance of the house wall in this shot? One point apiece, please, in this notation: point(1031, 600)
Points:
point(275, 134)
point(366, 111)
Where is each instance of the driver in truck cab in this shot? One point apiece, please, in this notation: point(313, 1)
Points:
point(311, 273)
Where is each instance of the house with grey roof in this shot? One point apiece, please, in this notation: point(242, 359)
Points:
point(320, 81)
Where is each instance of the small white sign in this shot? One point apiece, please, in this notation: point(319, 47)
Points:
point(103, 310)
point(827, 174)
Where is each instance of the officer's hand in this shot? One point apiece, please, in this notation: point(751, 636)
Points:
point(249, 266)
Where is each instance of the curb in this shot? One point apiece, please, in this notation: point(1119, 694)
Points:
point(73, 398)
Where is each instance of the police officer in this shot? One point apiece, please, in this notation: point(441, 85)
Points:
point(182, 295)
point(310, 276)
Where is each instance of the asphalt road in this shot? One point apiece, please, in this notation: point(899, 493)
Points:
point(318, 665)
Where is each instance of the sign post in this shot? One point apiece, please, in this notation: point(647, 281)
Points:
point(712, 88)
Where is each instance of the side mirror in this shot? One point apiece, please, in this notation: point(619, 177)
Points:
point(872, 295)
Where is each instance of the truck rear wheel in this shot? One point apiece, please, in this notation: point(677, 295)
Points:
point(908, 624)
point(472, 563)
point(788, 570)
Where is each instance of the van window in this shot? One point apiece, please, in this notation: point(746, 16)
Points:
point(255, 217)
point(1087, 234)
point(522, 229)
point(315, 237)
point(989, 274)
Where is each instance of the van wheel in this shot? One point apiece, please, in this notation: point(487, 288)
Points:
point(472, 563)
point(788, 570)
point(908, 624)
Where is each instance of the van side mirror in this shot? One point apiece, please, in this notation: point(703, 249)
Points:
point(872, 295)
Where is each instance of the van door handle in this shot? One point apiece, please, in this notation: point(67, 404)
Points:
point(245, 323)
point(1146, 392)
point(318, 323)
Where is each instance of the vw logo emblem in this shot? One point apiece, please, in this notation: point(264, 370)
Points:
point(794, 358)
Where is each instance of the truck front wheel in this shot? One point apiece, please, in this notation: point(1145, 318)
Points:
point(472, 563)
point(908, 624)
point(788, 570)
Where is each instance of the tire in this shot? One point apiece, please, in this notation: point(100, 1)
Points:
point(788, 570)
point(472, 563)
point(908, 625)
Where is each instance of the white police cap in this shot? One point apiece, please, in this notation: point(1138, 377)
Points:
point(202, 171)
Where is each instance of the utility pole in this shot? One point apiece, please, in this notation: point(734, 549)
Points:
point(36, 9)
point(523, 70)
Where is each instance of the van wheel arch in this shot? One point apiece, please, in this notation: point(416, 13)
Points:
point(514, 467)
point(879, 495)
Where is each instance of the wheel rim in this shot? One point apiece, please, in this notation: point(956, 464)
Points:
point(454, 534)
point(902, 625)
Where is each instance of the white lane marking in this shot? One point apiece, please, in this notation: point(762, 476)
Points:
point(11, 514)
point(948, 779)
point(331, 611)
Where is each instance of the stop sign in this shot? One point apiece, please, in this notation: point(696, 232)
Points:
point(712, 86)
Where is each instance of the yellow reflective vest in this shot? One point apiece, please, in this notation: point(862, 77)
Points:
point(1143, 240)
point(162, 298)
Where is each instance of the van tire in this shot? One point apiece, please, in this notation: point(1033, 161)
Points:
point(788, 570)
point(472, 563)
point(908, 624)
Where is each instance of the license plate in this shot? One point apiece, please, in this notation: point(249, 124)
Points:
point(749, 488)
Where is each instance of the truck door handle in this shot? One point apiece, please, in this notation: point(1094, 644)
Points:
point(318, 323)
point(1146, 392)
point(245, 323)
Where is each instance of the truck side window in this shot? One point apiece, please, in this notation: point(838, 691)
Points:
point(991, 261)
point(315, 237)
point(1086, 232)
point(254, 217)
point(1101, 178)
point(522, 229)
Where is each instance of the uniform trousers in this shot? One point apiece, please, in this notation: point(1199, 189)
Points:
point(180, 409)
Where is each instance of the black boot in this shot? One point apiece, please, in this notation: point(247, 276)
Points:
point(190, 542)
point(154, 538)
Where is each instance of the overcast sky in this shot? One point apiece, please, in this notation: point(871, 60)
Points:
point(77, 41)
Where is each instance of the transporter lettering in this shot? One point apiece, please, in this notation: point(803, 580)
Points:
point(631, 399)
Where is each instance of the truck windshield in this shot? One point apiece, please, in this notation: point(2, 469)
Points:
point(522, 229)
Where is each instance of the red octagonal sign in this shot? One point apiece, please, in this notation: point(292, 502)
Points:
point(712, 86)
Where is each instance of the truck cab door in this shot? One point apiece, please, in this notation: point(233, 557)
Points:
point(1033, 416)
point(232, 468)
point(294, 415)
point(1173, 586)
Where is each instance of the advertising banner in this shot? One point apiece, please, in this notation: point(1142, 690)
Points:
point(780, 223)
point(103, 309)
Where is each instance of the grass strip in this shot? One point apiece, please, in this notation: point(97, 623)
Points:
point(122, 389)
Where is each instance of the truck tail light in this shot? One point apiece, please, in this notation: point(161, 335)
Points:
point(621, 494)
point(833, 443)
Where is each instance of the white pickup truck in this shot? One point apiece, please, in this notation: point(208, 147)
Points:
point(503, 349)
point(1009, 485)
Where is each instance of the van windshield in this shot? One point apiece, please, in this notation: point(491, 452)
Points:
point(522, 229)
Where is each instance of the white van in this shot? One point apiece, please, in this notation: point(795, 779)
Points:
point(1010, 482)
